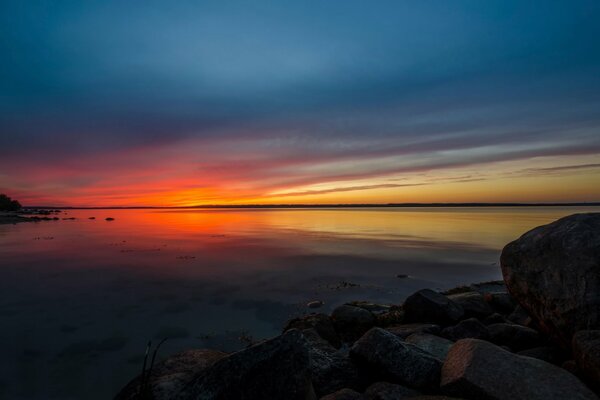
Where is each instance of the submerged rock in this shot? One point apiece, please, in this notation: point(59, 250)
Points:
point(397, 360)
point(475, 369)
point(432, 307)
point(553, 271)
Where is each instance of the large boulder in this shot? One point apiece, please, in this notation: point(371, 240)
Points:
point(170, 376)
point(396, 360)
point(331, 369)
point(473, 303)
point(434, 345)
point(352, 322)
point(478, 370)
point(553, 271)
point(275, 369)
point(432, 307)
point(586, 350)
point(516, 337)
point(469, 328)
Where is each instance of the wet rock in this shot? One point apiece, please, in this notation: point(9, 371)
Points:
point(475, 369)
point(434, 345)
point(469, 328)
point(516, 337)
point(388, 391)
point(473, 303)
point(170, 376)
point(321, 323)
point(315, 304)
point(553, 271)
point(343, 394)
point(352, 322)
point(274, 369)
point(549, 354)
point(331, 369)
point(372, 307)
point(405, 330)
point(501, 302)
point(396, 360)
point(432, 307)
point(586, 350)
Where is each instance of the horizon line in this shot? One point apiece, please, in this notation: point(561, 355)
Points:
point(339, 205)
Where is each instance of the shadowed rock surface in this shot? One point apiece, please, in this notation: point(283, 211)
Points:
point(553, 271)
point(431, 307)
point(586, 350)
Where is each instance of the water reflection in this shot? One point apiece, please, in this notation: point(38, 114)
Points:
point(81, 297)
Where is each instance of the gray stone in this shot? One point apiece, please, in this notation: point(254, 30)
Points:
point(388, 391)
point(546, 353)
point(343, 394)
point(469, 328)
point(434, 345)
point(352, 322)
point(275, 369)
point(516, 337)
point(431, 307)
point(473, 303)
point(501, 302)
point(475, 369)
point(320, 323)
point(397, 360)
point(405, 330)
point(553, 271)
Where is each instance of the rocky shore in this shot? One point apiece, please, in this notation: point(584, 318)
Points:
point(535, 335)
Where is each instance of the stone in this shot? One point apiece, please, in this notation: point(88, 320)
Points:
point(331, 369)
point(405, 330)
point(501, 302)
point(274, 369)
point(321, 323)
point(469, 328)
point(553, 271)
point(374, 308)
point(495, 318)
point(352, 322)
point(549, 354)
point(343, 394)
point(475, 369)
point(473, 303)
point(315, 304)
point(586, 351)
point(516, 337)
point(394, 316)
point(396, 360)
point(432, 307)
point(170, 376)
point(520, 317)
point(434, 345)
point(388, 391)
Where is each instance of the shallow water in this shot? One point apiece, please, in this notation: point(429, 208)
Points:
point(80, 298)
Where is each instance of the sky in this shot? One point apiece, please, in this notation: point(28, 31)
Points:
point(154, 103)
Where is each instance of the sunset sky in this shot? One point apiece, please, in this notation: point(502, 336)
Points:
point(123, 103)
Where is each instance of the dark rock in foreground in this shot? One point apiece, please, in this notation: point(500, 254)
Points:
point(388, 391)
point(343, 394)
point(432, 307)
point(321, 323)
point(405, 330)
point(397, 360)
point(586, 350)
point(351, 322)
point(553, 271)
point(434, 345)
point(475, 369)
point(469, 328)
point(275, 369)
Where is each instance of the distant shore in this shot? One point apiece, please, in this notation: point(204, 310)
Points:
point(365, 205)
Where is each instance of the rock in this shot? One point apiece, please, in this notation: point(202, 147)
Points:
point(586, 351)
point(501, 302)
point(397, 360)
point(553, 271)
point(432, 307)
point(331, 369)
point(495, 318)
point(394, 316)
point(469, 328)
point(374, 308)
point(274, 369)
point(405, 330)
point(549, 354)
point(388, 391)
point(320, 323)
point(434, 345)
point(571, 366)
point(473, 303)
point(107, 219)
point(351, 322)
point(489, 287)
point(171, 375)
point(516, 337)
point(343, 394)
point(475, 369)
point(520, 317)
point(92, 218)
point(315, 304)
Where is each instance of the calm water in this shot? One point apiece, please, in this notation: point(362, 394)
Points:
point(80, 298)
